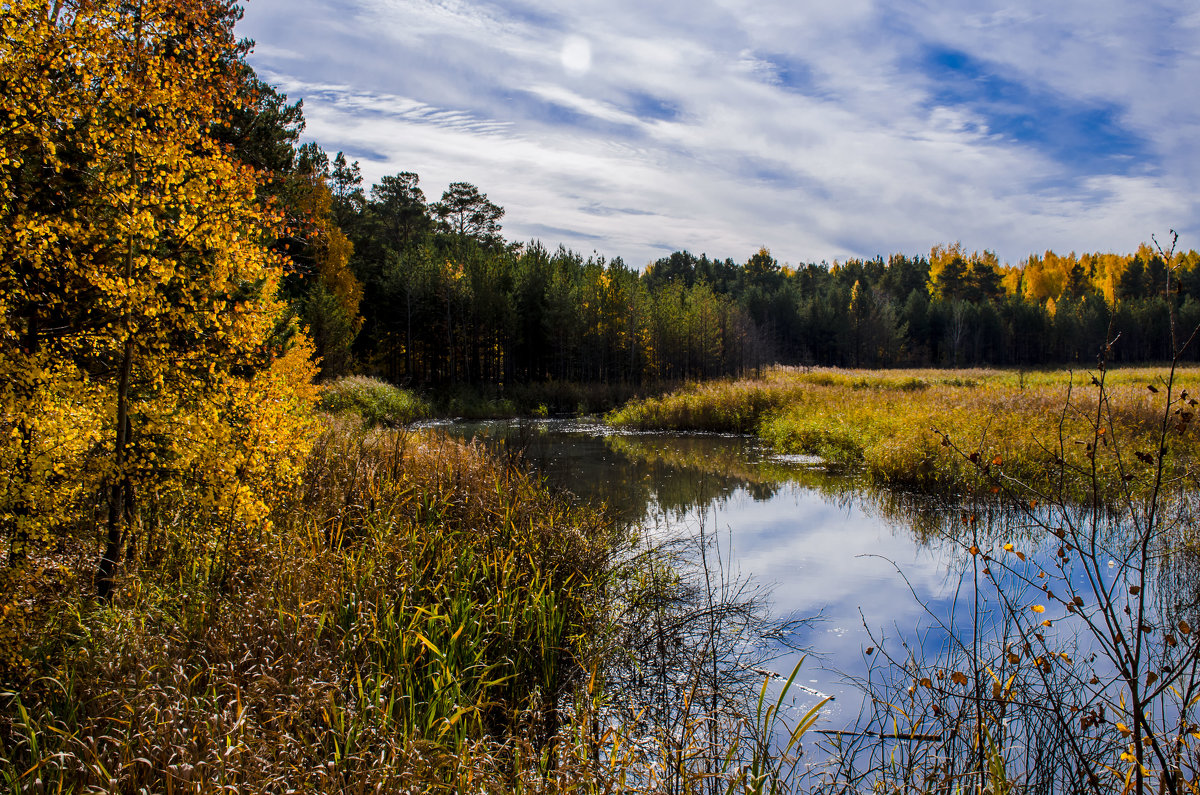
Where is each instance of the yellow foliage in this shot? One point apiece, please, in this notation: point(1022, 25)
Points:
point(331, 248)
point(140, 334)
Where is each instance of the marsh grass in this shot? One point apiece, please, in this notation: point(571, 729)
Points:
point(430, 620)
point(893, 424)
point(1075, 667)
point(427, 617)
point(538, 399)
point(377, 402)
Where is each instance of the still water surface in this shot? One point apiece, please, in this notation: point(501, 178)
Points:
point(828, 547)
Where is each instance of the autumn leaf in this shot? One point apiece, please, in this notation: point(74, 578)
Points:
point(156, 261)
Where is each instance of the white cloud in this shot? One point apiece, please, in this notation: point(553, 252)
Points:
point(727, 125)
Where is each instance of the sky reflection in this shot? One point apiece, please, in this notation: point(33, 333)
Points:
point(886, 581)
point(827, 547)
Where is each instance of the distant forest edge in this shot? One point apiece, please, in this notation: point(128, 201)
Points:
point(430, 294)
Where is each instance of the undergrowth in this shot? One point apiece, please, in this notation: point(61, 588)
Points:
point(377, 402)
point(430, 615)
point(430, 619)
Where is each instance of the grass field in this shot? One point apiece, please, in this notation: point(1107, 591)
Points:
point(953, 430)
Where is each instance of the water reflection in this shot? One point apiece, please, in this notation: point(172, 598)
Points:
point(871, 566)
point(890, 580)
point(635, 474)
point(827, 544)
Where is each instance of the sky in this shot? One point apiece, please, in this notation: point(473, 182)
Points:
point(821, 129)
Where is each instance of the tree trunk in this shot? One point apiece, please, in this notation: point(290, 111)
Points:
point(120, 491)
point(18, 541)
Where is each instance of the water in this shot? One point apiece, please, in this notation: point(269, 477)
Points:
point(884, 585)
point(827, 547)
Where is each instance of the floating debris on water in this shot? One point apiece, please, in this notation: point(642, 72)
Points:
point(799, 458)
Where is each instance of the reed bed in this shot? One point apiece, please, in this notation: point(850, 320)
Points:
point(429, 614)
point(944, 431)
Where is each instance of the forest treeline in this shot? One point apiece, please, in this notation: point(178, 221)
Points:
point(429, 293)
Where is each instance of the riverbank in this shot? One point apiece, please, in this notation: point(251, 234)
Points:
point(421, 616)
point(953, 431)
point(381, 403)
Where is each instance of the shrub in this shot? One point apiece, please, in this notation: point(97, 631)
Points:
point(378, 402)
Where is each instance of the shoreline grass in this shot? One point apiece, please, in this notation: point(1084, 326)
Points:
point(381, 403)
point(376, 402)
point(429, 618)
point(426, 616)
point(894, 425)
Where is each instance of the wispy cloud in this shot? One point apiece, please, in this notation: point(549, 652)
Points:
point(820, 130)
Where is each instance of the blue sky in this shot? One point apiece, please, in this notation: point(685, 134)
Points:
point(821, 129)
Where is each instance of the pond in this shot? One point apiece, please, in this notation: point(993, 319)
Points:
point(827, 548)
point(878, 590)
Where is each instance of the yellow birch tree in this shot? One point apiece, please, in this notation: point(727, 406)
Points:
point(139, 293)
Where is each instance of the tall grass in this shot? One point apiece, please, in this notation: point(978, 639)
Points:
point(377, 402)
point(432, 620)
point(894, 425)
point(430, 615)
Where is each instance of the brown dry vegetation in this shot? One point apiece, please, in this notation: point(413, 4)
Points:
point(431, 619)
point(425, 618)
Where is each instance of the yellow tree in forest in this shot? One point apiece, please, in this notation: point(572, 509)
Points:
point(330, 306)
point(139, 294)
point(947, 271)
point(954, 274)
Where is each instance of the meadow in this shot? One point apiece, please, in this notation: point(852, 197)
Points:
point(952, 431)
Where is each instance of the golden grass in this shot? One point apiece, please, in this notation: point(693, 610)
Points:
point(1037, 427)
point(428, 616)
